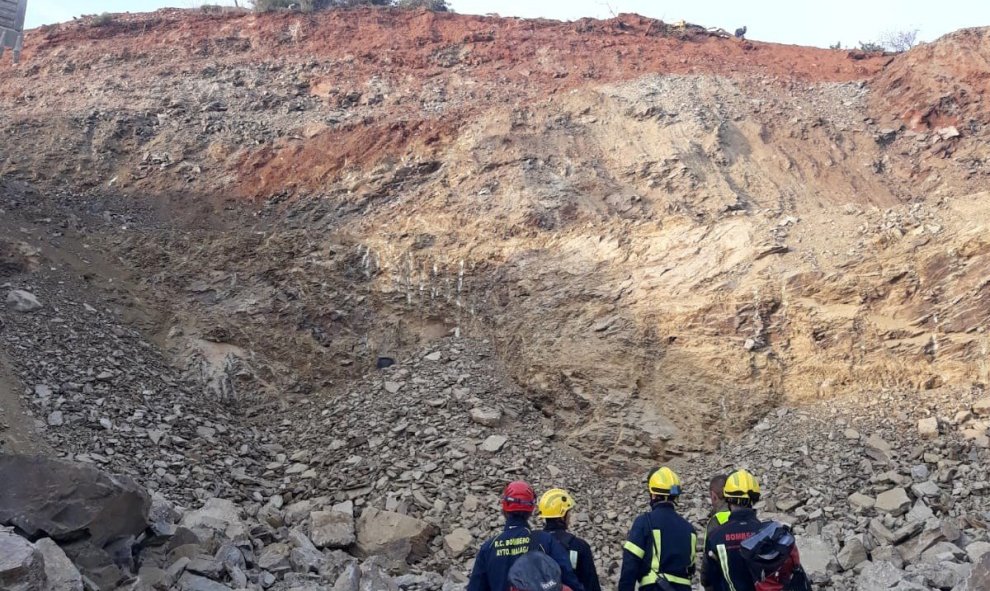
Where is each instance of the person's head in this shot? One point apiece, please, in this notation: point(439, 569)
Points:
point(716, 488)
point(663, 485)
point(741, 490)
point(555, 506)
point(518, 499)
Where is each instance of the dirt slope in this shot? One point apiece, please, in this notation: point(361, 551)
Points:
point(664, 234)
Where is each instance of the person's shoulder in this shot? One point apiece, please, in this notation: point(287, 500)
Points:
point(544, 537)
point(487, 544)
point(685, 523)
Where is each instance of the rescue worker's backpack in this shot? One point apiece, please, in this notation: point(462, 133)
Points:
point(535, 571)
point(773, 559)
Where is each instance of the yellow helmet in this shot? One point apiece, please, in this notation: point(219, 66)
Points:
point(555, 503)
point(742, 486)
point(664, 481)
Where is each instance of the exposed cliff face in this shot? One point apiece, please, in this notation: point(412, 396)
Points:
point(663, 234)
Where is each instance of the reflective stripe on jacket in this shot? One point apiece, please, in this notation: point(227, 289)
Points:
point(725, 568)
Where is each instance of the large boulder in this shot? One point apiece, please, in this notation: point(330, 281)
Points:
point(46, 497)
point(94, 517)
point(394, 535)
point(22, 566)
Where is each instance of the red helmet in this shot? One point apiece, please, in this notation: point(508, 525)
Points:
point(518, 496)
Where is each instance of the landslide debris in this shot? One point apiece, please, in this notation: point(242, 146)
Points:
point(318, 289)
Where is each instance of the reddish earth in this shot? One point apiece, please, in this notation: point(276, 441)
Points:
point(939, 84)
point(663, 233)
point(556, 55)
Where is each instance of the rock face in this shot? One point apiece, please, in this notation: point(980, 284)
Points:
point(65, 501)
point(22, 566)
point(395, 535)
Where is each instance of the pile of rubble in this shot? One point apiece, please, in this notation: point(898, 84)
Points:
point(881, 498)
point(69, 527)
point(406, 468)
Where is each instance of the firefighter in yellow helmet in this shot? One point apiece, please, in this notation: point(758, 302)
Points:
point(725, 569)
point(555, 509)
point(659, 552)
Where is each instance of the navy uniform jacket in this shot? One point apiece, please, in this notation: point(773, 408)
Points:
point(725, 568)
point(675, 538)
point(491, 565)
point(717, 520)
point(579, 553)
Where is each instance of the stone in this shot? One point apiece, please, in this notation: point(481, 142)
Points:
point(151, 578)
point(878, 449)
point(942, 552)
point(878, 576)
point(230, 556)
point(22, 301)
point(488, 417)
point(912, 549)
point(853, 553)
point(894, 501)
point(349, 579)
point(22, 566)
point(374, 577)
point(207, 567)
point(494, 443)
point(331, 529)
point(816, 555)
point(62, 575)
point(46, 497)
point(56, 419)
point(304, 557)
point(458, 542)
point(976, 550)
point(393, 387)
point(920, 512)
point(275, 557)
point(434, 356)
point(928, 428)
point(981, 407)
point(861, 501)
point(926, 489)
point(394, 534)
point(887, 553)
point(979, 577)
point(191, 582)
point(218, 516)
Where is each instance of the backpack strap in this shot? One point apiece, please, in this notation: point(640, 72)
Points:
point(532, 541)
point(566, 538)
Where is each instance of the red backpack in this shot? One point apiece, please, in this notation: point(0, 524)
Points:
point(774, 560)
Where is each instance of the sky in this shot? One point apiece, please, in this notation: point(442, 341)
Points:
point(782, 21)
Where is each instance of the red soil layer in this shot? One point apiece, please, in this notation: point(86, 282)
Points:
point(939, 84)
point(556, 54)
